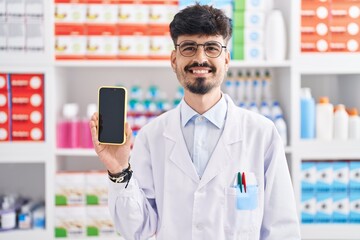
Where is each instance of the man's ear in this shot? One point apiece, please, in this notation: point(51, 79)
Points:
point(227, 60)
point(173, 59)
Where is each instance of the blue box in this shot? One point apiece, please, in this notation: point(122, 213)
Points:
point(354, 184)
point(341, 207)
point(324, 173)
point(354, 207)
point(308, 207)
point(324, 207)
point(340, 176)
point(308, 176)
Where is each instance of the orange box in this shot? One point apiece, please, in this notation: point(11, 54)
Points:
point(27, 82)
point(70, 11)
point(4, 116)
point(161, 12)
point(70, 41)
point(101, 12)
point(134, 42)
point(102, 42)
point(161, 43)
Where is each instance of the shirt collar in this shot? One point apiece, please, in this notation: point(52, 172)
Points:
point(216, 115)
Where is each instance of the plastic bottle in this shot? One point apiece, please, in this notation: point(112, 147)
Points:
point(275, 110)
point(324, 119)
point(266, 86)
point(85, 136)
point(307, 113)
point(248, 88)
point(230, 86)
point(275, 36)
point(354, 124)
point(281, 127)
point(265, 109)
point(257, 87)
point(341, 123)
point(68, 128)
point(240, 87)
point(253, 107)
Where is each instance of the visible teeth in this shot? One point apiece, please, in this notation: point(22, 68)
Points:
point(200, 71)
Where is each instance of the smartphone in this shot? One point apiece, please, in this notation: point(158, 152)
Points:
point(112, 104)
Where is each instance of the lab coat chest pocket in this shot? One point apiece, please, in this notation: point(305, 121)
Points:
point(241, 210)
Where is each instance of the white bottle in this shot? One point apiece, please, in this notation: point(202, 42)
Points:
point(324, 119)
point(354, 124)
point(265, 110)
point(253, 107)
point(230, 86)
point(276, 110)
point(240, 87)
point(281, 127)
point(341, 123)
point(275, 36)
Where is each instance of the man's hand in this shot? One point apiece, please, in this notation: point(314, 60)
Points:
point(114, 157)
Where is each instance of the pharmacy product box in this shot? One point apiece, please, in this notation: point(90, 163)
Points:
point(15, 10)
point(34, 10)
point(5, 112)
point(354, 184)
point(70, 222)
point(324, 179)
point(308, 177)
point(161, 43)
point(324, 207)
point(237, 52)
point(2, 11)
point(102, 42)
point(101, 12)
point(3, 36)
point(254, 52)
point(238, 35)
point(133, 42)
point(248, 19)
point(70, 41)
point(99, 222)
point(133, 13)
point(27, 83)
point(185, 3)
point(69, 188)
point(162, 12)
point(27, 124)
point(69, 11)
point(341, 176)
point(34, 37)
point(308, 207)
point(226, 6)
point(96, 188)
point(16, 37)
point(354, 207)
point(341, 207)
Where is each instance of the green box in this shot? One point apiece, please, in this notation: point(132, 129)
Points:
point(239, 4)
point(238, 19)
point(238, 51)
point(238, 35)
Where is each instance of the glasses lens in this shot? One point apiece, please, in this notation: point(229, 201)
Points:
point(212, 49)
point(188, 48)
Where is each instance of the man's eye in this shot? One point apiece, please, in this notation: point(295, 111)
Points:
point(189, 49)
point(212, 49)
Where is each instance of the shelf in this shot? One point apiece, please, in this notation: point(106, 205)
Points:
point(330, 231)
point(26, 59)
point(157, 63)
point(24, 234)
point(24, 152)
point(76, 152)
point(329, 63)
point(327, 150)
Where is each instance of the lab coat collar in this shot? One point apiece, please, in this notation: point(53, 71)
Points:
point(221, 157)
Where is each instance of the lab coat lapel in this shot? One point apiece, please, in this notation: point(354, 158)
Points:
point(176, 147)
point(228, 149)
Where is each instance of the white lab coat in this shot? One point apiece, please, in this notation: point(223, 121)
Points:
point(166, 197)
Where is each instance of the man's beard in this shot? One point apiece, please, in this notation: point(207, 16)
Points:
point(199, 87)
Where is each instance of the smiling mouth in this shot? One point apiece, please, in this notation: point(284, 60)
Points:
point(200, 71)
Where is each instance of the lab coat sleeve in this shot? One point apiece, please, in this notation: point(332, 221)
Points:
point(133, 209)
point(280, 219)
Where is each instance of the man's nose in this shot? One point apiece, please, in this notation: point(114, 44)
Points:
point(200, 55)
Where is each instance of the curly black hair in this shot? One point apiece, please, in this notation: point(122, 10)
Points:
point(201, 20)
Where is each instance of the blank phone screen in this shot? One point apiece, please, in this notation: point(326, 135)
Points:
point(112, 102)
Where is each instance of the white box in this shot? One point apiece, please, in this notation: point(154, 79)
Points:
point(3, 37)
point(70, 222)
point(102, 13)
point(253, 35)
point(254, 19)
point(34, 10)
point(15, 10)
point(2, 11)
point(96, 188)
point(162, 13)
point(35, 37)
point(254, 52)
point(16, 37)
point(70, 188)
point(133, 13)
point(99, 222)
point(70, 13)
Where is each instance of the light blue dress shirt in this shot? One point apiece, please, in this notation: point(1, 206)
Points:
point(202, 132)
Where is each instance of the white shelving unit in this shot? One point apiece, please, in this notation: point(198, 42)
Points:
point(337, 75)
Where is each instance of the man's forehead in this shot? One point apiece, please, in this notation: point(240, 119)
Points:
point(200, 38)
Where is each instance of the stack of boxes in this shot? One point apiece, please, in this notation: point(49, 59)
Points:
point(21, 26)
point(22, 107)
point(113, 29)
point(248, 30)
point(4, 108)
point(330, 192)
point(330, 26)
point(81, 205)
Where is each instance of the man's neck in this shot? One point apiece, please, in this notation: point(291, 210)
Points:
point(202, 103)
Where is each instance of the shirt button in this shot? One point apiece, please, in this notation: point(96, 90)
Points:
point(199, 226)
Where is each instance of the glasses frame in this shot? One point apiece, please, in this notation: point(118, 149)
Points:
point(201, 44)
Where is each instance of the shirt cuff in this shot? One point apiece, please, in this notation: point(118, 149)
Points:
point(118, 189)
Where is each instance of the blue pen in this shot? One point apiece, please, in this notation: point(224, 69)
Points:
point(239, 181)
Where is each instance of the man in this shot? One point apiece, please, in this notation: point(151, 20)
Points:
point(206, 169)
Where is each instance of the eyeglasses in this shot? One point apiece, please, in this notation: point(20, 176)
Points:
point(188, 48)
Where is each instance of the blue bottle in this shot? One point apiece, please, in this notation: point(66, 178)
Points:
point(307, 112)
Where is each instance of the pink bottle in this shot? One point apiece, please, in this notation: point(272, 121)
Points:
point(85, 137)
point(68, 128)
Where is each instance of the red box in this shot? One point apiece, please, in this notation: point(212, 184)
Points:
point(4, 116)
point(27, 82)
point(4, 85)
